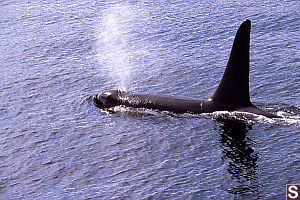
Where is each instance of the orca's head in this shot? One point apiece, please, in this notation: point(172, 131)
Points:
point(107, 99)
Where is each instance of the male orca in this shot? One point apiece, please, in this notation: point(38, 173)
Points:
point(232, 93)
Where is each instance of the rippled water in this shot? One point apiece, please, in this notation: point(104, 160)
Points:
point(55, 144)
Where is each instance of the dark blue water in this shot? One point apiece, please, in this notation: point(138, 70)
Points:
point(55, 144)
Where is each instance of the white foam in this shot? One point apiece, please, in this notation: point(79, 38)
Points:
point(107, 93)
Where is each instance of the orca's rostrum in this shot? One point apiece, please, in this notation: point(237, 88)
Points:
point(232, 93)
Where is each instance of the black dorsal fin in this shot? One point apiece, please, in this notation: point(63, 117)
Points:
point(233, 89)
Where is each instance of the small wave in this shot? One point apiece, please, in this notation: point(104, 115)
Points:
point(286, 118)
point(254, 118)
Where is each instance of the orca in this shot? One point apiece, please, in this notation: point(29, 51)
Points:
point(232, 93)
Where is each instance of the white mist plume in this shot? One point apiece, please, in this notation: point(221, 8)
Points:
point(115, 50)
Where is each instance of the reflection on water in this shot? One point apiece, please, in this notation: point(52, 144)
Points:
point(241, 158)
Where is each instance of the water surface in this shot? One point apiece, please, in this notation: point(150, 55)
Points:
point(55, 144)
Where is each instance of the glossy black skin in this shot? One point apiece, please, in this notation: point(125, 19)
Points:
point(114, 98)
point(163, 103)
point(232, 93)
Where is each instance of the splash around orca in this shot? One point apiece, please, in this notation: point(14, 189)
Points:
point(232, 94)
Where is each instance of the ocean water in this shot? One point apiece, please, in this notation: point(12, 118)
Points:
point(55, 144)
